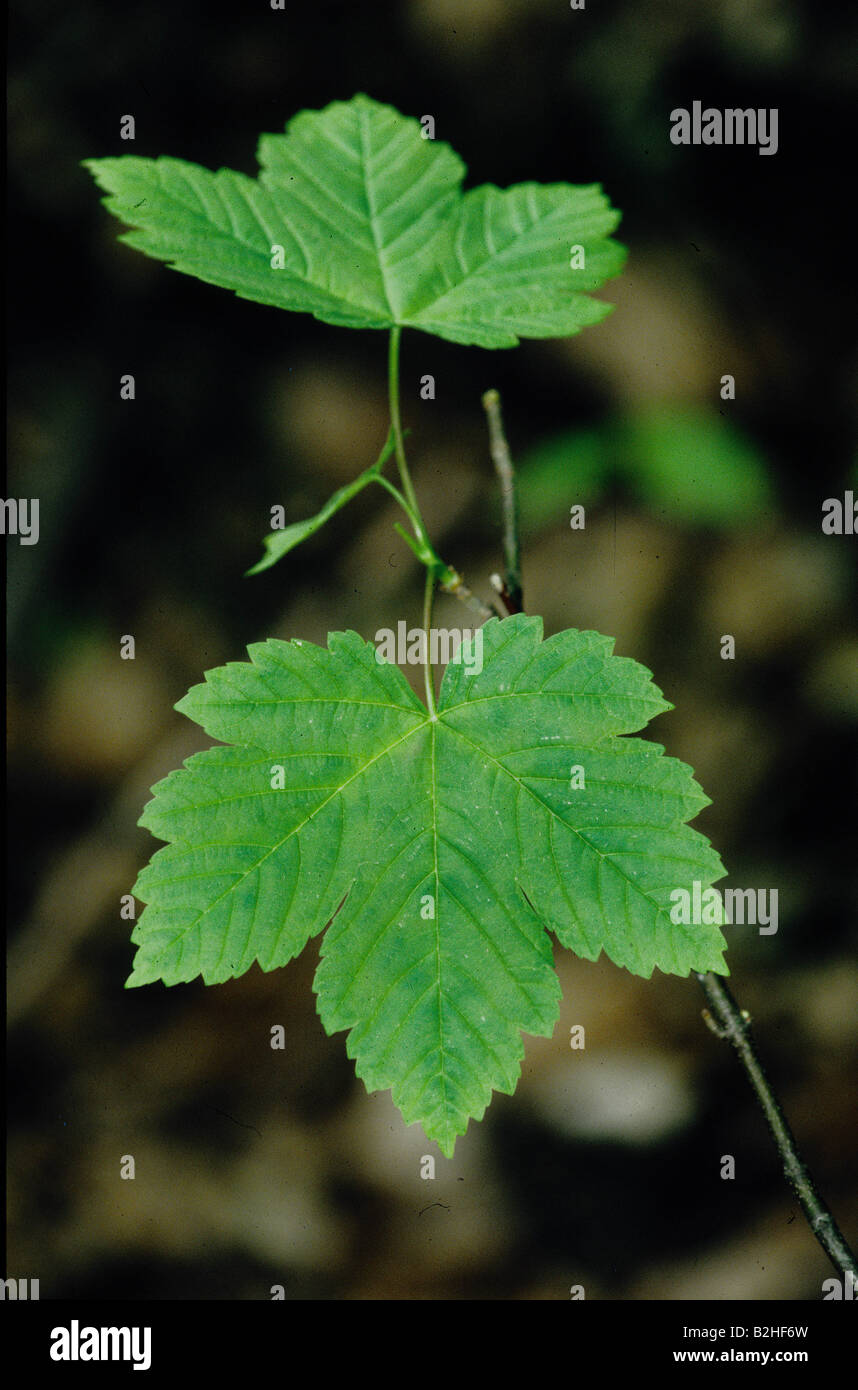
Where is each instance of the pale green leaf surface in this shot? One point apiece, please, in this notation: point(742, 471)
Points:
point(375, 231)
point(385, 809)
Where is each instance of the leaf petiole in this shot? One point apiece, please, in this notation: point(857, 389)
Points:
point(279, 543)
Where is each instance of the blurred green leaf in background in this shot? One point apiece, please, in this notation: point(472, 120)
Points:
point(683, 461)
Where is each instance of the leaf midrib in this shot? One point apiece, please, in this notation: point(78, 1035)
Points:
point(295, 829)
point(603, 858)
point(370, 203)
point(304, 280)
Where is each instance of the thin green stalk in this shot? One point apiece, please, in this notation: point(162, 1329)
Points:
point(428, 673)
point(423, 549)
point(394, 492)
point(395, 418)
point(449, 579)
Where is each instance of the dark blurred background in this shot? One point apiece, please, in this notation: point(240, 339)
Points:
point(257, 1167)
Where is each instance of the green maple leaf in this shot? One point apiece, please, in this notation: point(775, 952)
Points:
point(436, 849)
point(375, 231)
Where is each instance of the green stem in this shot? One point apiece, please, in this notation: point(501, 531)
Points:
point(394, 492)
point(424, 549)
point(436, 569)
point(395, 418)
point(428, 599)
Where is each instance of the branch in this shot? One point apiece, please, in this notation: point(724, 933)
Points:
point(729, 1022)
point(459, 589)
point(511, 591)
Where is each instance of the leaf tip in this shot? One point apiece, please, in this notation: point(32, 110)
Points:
point(184, 706)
